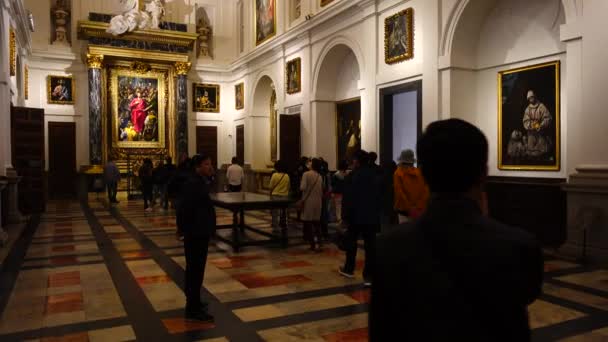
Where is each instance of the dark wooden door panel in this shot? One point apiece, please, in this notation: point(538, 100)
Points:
point(206, 142)
point(290, 139)
point(240, 143)
point(27, 143)
point(62, 159)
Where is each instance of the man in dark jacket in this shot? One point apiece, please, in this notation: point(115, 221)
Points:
point(361, 213)
point(196, 217)
point(454, 274)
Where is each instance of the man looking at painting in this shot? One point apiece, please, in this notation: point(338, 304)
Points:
point(537, 119)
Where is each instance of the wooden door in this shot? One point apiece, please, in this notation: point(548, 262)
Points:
point(206, 142)
point(62, 160)
point(27, 143)
point(290, 139)
point(240, 143)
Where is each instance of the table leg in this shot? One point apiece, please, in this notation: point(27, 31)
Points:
point(283, 225)
point(235, 232)
point(242, 223)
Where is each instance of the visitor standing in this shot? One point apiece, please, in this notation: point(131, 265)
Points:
point(235, 176)
point(337, 188)
point(411, 191)
point(279, 186)
point(111, 176)
point(147, 183)
point(312, 196)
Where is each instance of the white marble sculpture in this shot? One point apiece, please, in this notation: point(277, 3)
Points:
point(132, 18)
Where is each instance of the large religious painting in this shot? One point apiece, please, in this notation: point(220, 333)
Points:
point(528, 118)
point(60, 89)
point(239, 96)
point(206, 97)
point(138, 101)
point(265, 20)
point(348, 126)
point(293, 73)
point(399, 37)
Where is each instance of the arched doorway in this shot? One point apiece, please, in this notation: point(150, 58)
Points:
point(264, 123)
point(336, 106)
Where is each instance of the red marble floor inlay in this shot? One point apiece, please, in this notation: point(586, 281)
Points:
point(63, 238)
point(236, 261)
point(294, 264)
point(135, 254)
point(66, 248)
point(64, 279)
point(256, 280)
point(356, 335)
point(66, 302)
point(361, 296)
point(153, 279)
point(119, 235)
point(78, 337)
point(63, 231)
point(180, 325)
point(64, 260)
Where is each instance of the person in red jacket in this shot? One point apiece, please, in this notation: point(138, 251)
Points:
point(411, 192)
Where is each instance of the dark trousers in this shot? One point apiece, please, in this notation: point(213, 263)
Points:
point(368, 232)
point(235, 188)
point(312, 230)
point(112, 190)
point(147, 190)
point(195, 249)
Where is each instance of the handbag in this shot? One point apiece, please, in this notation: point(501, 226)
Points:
point(300, 203)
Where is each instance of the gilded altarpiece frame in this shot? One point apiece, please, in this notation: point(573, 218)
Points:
point(164, 74)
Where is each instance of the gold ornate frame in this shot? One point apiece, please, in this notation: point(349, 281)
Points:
point(49, 91)
point(157, 74)
point(26, 82)
point(216, 107)
point(298, 63)
point(12, 52)
point(409, 52)
point(242, 86)
point(557, 115)
point(274, 22)
point(325, 2)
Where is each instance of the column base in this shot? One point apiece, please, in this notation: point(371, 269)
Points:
point(587, 192)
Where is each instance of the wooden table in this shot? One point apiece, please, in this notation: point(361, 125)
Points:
point(238, 203)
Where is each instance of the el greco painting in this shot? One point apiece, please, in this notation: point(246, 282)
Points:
point(529, 118)
point(265, 20)
point(399, 37)
point(348, 125)
point(206, 97)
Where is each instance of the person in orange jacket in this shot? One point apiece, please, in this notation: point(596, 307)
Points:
point(411, 191)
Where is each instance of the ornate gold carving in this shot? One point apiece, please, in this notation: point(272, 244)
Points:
point(129, 53)
point(140, 67)
point(26, 82)
point(87, 29)
point(94, 61)
point(13, 53)
point(182, 68)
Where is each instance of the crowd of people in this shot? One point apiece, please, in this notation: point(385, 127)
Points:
point(444, 262)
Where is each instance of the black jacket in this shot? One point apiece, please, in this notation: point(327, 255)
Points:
point(195, 213)
point(361, 200)
point(454, 275)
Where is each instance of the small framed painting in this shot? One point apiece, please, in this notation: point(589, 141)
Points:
point(293, 74)
point(399, 37)
point(239, 96)
point(60, 89)
point(529, 118)
point(206, 97)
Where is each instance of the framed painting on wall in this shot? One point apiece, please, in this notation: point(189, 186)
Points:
point(529, 118)
point(12, 58)
point(138, 101)
point(239, 96)
point(206, 97)
point(348, 129)
point(293, 73)
point(265, 20)
point(325, 2)
point(399, 37)
point(60, 89)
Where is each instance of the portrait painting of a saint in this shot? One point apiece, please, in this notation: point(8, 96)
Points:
point(528, 118)
point(60, 89)
point(399, 37)
point(206, 97)
point(239, 96)
point(265, 20)
point(138, 108)
point(348, 127)
point(293, 74)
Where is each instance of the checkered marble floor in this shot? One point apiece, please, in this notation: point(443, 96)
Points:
point(87, 272)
